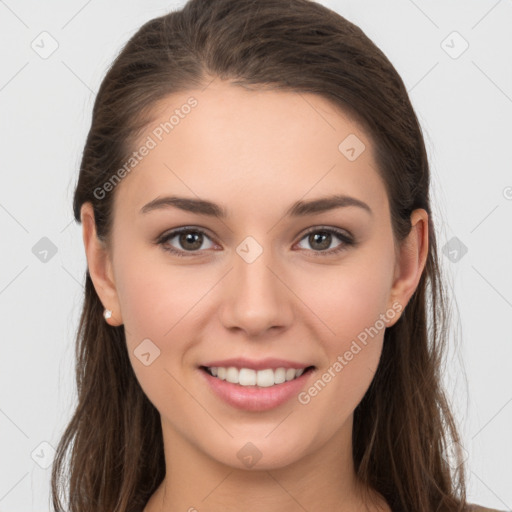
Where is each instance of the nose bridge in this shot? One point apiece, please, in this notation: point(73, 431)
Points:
point(252, 268)
point(257, 299)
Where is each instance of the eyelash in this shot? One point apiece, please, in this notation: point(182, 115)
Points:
point(347, 240)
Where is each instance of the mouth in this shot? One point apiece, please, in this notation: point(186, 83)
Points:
point(251, 378)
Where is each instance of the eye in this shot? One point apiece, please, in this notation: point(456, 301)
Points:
point(190, 239)
point(321, 239)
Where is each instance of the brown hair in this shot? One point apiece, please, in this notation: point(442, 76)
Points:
point(403, 425)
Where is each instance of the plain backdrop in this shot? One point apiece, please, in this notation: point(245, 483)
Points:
point(456, 61)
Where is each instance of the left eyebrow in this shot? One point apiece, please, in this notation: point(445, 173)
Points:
point(302, 208)
point(298, 209)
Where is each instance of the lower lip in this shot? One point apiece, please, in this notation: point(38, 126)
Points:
point(254, 398)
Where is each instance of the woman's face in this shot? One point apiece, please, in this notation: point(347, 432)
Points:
point(283, 280)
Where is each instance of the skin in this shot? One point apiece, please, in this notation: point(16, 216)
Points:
point(255, 153)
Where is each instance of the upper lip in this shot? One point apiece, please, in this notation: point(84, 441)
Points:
point(262, 364)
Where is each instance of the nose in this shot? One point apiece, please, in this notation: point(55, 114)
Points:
point(256, 298)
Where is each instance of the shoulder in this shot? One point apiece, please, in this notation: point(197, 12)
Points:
point(478, 508)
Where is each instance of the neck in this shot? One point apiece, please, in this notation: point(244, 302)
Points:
point(323, 479)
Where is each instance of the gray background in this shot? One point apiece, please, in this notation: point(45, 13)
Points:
point(464, 102)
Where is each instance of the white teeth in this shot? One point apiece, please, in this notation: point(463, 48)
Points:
point(265, 378)
point(290, 374)
point(247, 377)
point(279, 376)
point(261, 378)
point(232, 375)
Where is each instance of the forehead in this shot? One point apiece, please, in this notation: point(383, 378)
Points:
point(229, 143)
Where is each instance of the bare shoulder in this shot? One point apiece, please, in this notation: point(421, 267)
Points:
point(479, 508)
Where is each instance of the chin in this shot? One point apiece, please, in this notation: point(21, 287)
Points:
point(253, 453)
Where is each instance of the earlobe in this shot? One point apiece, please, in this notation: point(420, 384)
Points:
point(411, 260)
point(100, 266)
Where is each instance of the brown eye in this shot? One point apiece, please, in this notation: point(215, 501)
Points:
point(190, 240)
point(187, 240)
point(321, 239)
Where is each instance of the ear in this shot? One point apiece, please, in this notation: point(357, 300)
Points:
point(100, 265)
point(411, 260)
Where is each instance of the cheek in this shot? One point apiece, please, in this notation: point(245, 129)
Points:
point(154, 296)
point(351, 307)
point(157, 304)
point(163, 303)
point(352, 297)
point(352, 302)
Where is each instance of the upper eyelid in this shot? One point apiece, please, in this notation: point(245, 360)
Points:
point(336, 231)
point(169, 235)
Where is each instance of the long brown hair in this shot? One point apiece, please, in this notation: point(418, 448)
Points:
point(403, 427)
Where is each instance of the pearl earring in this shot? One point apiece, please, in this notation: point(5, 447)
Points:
point(107, 314)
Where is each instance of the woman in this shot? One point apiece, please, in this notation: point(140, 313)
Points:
point(264, 315)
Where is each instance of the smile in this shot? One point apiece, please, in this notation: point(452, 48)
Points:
point(259, 378)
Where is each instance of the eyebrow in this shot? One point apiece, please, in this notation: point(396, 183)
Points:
point(298, 209)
